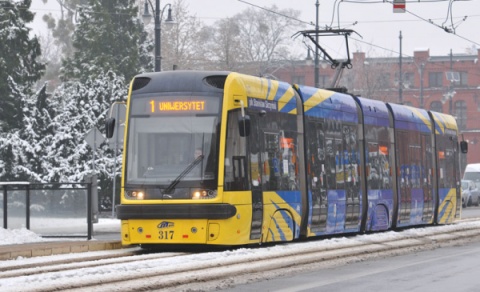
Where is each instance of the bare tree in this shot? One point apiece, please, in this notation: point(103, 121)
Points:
point(253, 39)
point(50, 56)
point(181, 41)
point(224, 44)
point(62, 27)
point(370, 77)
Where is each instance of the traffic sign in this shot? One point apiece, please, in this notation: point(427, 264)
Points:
point(94, 138)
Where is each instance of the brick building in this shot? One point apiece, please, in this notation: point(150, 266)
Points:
point(448, 84)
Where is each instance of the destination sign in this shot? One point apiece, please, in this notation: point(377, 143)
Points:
point(175, 106)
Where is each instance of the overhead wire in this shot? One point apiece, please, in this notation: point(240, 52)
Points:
point(275, 12)
point(449, 13)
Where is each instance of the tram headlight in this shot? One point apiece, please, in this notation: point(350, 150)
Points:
point(203, 194)
point(136, 195)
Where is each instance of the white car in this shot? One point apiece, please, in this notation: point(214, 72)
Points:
point(470, 193)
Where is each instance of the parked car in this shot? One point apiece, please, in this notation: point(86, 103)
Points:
point(470, 193)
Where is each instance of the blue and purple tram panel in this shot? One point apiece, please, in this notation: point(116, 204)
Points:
point(411, 122)
point(380, 203)
point(328, 107)
point(446, 126)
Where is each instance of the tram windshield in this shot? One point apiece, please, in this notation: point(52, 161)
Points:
point(172, 140)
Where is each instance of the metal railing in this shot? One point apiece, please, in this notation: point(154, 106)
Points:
point(54, 209)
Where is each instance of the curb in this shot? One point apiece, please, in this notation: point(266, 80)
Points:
point(10, 252)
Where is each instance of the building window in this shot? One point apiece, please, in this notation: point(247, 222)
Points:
point(463, 78)
point(298, 79)
point(384, 80)
point(461, 114)
point(323, 81)
point(408, 80)
point(436, 106)
point(435, 79)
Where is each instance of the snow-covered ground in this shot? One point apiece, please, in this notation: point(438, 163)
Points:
point(23, 235)
point(178, 268)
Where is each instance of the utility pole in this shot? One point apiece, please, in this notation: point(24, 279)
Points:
point(158, 40)
point(422, 68)
point(400, 77)
point(317, 74)
point(450, 101)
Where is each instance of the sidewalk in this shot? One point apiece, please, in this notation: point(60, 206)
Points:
point(106, 236)
point(26, 250)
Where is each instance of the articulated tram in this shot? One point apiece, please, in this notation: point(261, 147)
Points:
point(222, 158)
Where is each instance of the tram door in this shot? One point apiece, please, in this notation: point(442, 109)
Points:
point(316, 171)
point(255, 157)
point(426, 178)
point(352, 183)
point(456, 174)
point(448, 176)
point(404, 139)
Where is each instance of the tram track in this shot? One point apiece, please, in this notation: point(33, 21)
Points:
point(147, 271)
point(212, 276)
point(96, 261)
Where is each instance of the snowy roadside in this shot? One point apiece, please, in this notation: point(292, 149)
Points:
point(23, 235)
point(213, 270)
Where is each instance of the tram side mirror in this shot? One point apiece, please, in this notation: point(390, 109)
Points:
point(109, 127)
point(464, 147)
point(244, 126)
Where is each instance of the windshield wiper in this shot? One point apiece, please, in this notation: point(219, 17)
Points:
point(189, 168)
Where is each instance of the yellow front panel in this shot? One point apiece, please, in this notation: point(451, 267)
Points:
point(165, 231)
point(232, 231)
point(235, 230)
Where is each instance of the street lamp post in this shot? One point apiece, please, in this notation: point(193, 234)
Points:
point(158, 20)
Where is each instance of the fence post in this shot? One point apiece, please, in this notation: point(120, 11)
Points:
point(93, 205)
point(5, 215)
point(92, 202)
point(89, 209)
point(27, 215)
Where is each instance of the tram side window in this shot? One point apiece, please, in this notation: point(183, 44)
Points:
point(378, 157)
point(450, 163)
point(236, 174)
point(441, 163)
point(444, 159)
point(373, 167)
point(279, 152)
point(426, 156)
point(271, 162)
point(378, 163)
point(415, 163)
point(316, 155)
point(289, 164)
point(339, 164)
point(334, 168)
point(330, 163)
point(350, 154)
point(385, 167)
point(402, 143)
point(446, 163)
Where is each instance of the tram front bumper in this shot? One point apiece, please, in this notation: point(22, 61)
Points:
point(172, 223)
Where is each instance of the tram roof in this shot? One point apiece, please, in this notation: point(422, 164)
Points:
point(405, 116)
point(443, 122)
point(313, 97)
point(179, 81)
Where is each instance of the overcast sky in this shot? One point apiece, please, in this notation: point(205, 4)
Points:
point(375, 20)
